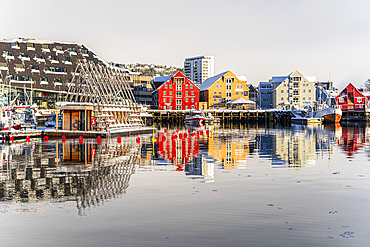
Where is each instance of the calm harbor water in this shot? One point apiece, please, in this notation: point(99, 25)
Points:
point(241, 186)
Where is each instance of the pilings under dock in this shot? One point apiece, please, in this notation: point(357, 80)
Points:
point(227, 116)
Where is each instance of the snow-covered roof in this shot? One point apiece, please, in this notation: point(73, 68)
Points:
point(242, 77)
point(276, 79)
point(241, 101)
point(42, 41)
point(161, 78)
point(311, 78)
point(209, 82)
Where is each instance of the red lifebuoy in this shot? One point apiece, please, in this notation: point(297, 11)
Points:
point(93, 121)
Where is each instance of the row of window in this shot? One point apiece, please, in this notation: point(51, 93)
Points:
point(46, 46)
point(358, 99)
point(297, 99)
point(178, 100)
point(178, 86)
point(296, 92)
point(178, 94)
point(178, 107)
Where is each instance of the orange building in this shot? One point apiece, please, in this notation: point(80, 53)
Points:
point(222, 88)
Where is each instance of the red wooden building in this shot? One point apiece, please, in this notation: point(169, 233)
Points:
point(352, 102)
point(175, 92)
point(351, 99)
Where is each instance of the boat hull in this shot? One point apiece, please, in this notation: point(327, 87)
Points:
point(330, 115)
point(197, 122)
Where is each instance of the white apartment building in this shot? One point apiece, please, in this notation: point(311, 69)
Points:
point(198, 69)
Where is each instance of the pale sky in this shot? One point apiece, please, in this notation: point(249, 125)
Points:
point(259, 39)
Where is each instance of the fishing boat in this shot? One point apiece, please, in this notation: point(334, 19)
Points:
point(329, 114)
point(195, 118)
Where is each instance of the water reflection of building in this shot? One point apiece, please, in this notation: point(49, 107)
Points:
point(38, 172)
point(230, 148)
point(352, 139)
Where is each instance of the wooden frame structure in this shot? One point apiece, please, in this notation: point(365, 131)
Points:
point(99, 98)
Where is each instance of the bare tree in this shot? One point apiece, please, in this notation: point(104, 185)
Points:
point(367, 84)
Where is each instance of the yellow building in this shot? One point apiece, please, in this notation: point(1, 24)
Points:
point(222, 88)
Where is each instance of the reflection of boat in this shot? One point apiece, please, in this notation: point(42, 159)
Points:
point(195, 118)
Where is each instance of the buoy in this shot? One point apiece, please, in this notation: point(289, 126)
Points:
point(157, 138)
point(165, 130)
point(154, 140)
point(28, 139)
point(189, 131)
point(163, 138)
point(63, 139)
point(98, 139)
point(119, 139)
point(46, 138)
point(138, 139)
point(93, 151)
point(180, 135)
point(177, 130)
point(11, 138)
point(201, 132)
point(185, 135)
point(207, 132)
point(81, 139)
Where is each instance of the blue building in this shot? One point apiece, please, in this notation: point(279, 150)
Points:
point(265, 95)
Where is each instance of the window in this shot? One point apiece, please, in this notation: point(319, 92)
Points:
point(170, 86)
point(237, 93)
point(191, 86)
point(282, 91)
point(304, 91)
point(170, 100)
point(35, 67)
point(284, 85)
point(216, 86)
point(67, 59)
point(178, 87)
point(229, 80)
point(246, 93)
point(24, 54)
point(166, 86)
point(282, 98)
point(44, 79)
point(178, 80)
point(295, 85)
point(38, 56)
point(192, 92)
point(219, 92)
point(178, 102)
point(54, 58)
point(178, 95)
point(186, 93)
point(309, 90)
point(215, 92)
point(359, 100)
point(164, 100)
point(9, 53)
point(186, 100)
point(84, 51)
point(164, 93)
point(304, 98)
point(72, 49)
point(295, 92)
point(170, 92)
point(219, 86)
point(186, 86)
point(296, 78)
point(215, 100)
point(309, 98)
point(192, 99)
point(178, 107)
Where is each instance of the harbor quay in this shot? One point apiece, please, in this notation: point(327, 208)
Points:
point(226, 116)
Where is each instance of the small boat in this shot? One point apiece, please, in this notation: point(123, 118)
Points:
point(195, 118)
point(329, 114)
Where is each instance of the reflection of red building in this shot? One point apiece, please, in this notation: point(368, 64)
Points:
point(178, 151)
point(353, 139)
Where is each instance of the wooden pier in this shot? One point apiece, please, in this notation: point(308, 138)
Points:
point(227, 116)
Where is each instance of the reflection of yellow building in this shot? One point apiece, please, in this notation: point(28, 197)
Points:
point(229, 153)
point(297, 149)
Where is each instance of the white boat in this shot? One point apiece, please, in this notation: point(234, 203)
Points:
point(329, 114)
point(195, 118)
